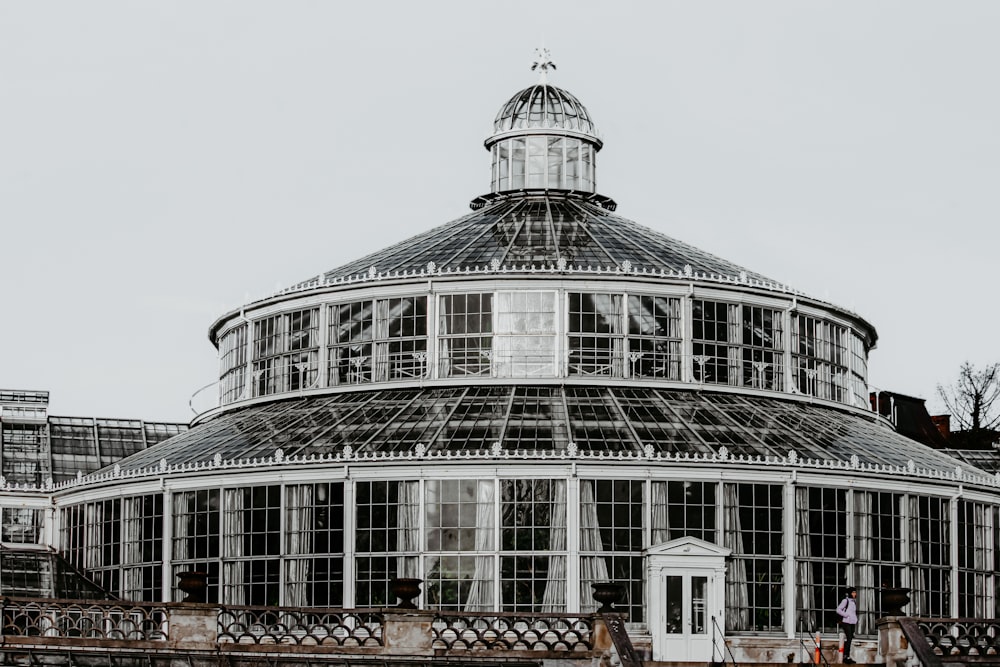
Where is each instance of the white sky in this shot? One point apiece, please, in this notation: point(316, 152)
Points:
point(161, 161)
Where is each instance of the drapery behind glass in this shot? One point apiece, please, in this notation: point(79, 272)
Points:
point(233, 540)
point(408, 530)
point(737, 593)
point(864, 557)
point(735, 352)
point(803, 566)
point(132, 547)
point(95, 540)
point(182, 504)
point(593, 568)
point(661, 513)
point(299, 529)
point(979, 555)
point(481, 590)
point(554, 598)
point(919, 605)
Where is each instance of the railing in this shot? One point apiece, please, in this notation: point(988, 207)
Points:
point(512, 632)
point(210, 629)
point(953, 640)
point(307, 627)
point(84, 619)
point(719, 635)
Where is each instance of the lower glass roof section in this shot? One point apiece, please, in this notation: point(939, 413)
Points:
point(541, 417)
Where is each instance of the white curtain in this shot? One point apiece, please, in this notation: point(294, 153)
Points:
point(735, 353)
point(408, 530)
point(481, 591)
point(737, 592)
point(803, 566)
point(182, 516)
point(132, 547)
point(299, 528)
point(593, 567)
point(864, 559)
point(979, 554)
point(95, 539)
point(918, 572)
point(554, 598)
point(233, 536)
point(661, 514)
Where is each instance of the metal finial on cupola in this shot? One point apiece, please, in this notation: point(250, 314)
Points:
point(543, 63)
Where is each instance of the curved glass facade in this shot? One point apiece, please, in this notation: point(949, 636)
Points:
point(535, 541)
point(673, 335)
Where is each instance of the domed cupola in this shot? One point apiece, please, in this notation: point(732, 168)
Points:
point(543, 139)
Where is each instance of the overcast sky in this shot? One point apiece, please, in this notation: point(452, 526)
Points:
point(161, 162)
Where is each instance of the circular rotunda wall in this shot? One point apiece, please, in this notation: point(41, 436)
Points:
point(528, 399)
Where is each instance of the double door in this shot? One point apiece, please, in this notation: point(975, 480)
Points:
point(685, 624)
point(686, 584)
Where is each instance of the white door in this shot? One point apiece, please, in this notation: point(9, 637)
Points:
point(685, 625)
point(686, 581)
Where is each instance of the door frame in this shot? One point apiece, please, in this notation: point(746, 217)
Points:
point(685, 556)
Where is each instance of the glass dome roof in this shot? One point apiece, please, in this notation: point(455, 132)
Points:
point(544, 106)
point(611, 420)
point(540, 230)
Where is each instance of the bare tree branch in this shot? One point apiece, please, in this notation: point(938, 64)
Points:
point(972, 399)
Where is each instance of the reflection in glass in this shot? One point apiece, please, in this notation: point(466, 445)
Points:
point(675, 604)
point(699, 605)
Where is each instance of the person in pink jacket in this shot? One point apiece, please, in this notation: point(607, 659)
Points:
point(848, 612)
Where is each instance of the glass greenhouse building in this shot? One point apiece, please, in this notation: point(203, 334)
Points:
point(537, 396)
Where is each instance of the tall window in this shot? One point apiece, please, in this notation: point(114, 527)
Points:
point(465, 334)
point(611, 540)
point(233, 360)
point(714, 326)
point(142, 547)
point(930, 556)
point(879, 549)
point(378, 341)
point(251, 532)
point(754, 532)
point(197, 536)
point(820, 358)
point(737, 345)
point(821, 551)
point(388, 543)
point(286, 352)
point(524, 342)
point(314, 545)
point(533, 545)
point(859, 370)
point(596, 335)
point(459, 527)
point(763, 348)
point(975, 556)
point(654, 330)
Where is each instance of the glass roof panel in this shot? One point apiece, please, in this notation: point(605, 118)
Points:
point(521, 417)
point(540, 229)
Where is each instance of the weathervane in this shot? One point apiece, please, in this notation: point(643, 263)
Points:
point(543, 63)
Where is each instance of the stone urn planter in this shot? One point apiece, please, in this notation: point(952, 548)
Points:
point(607, 593)
point(194, 584)
point(894, 599)
point(406, 590)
